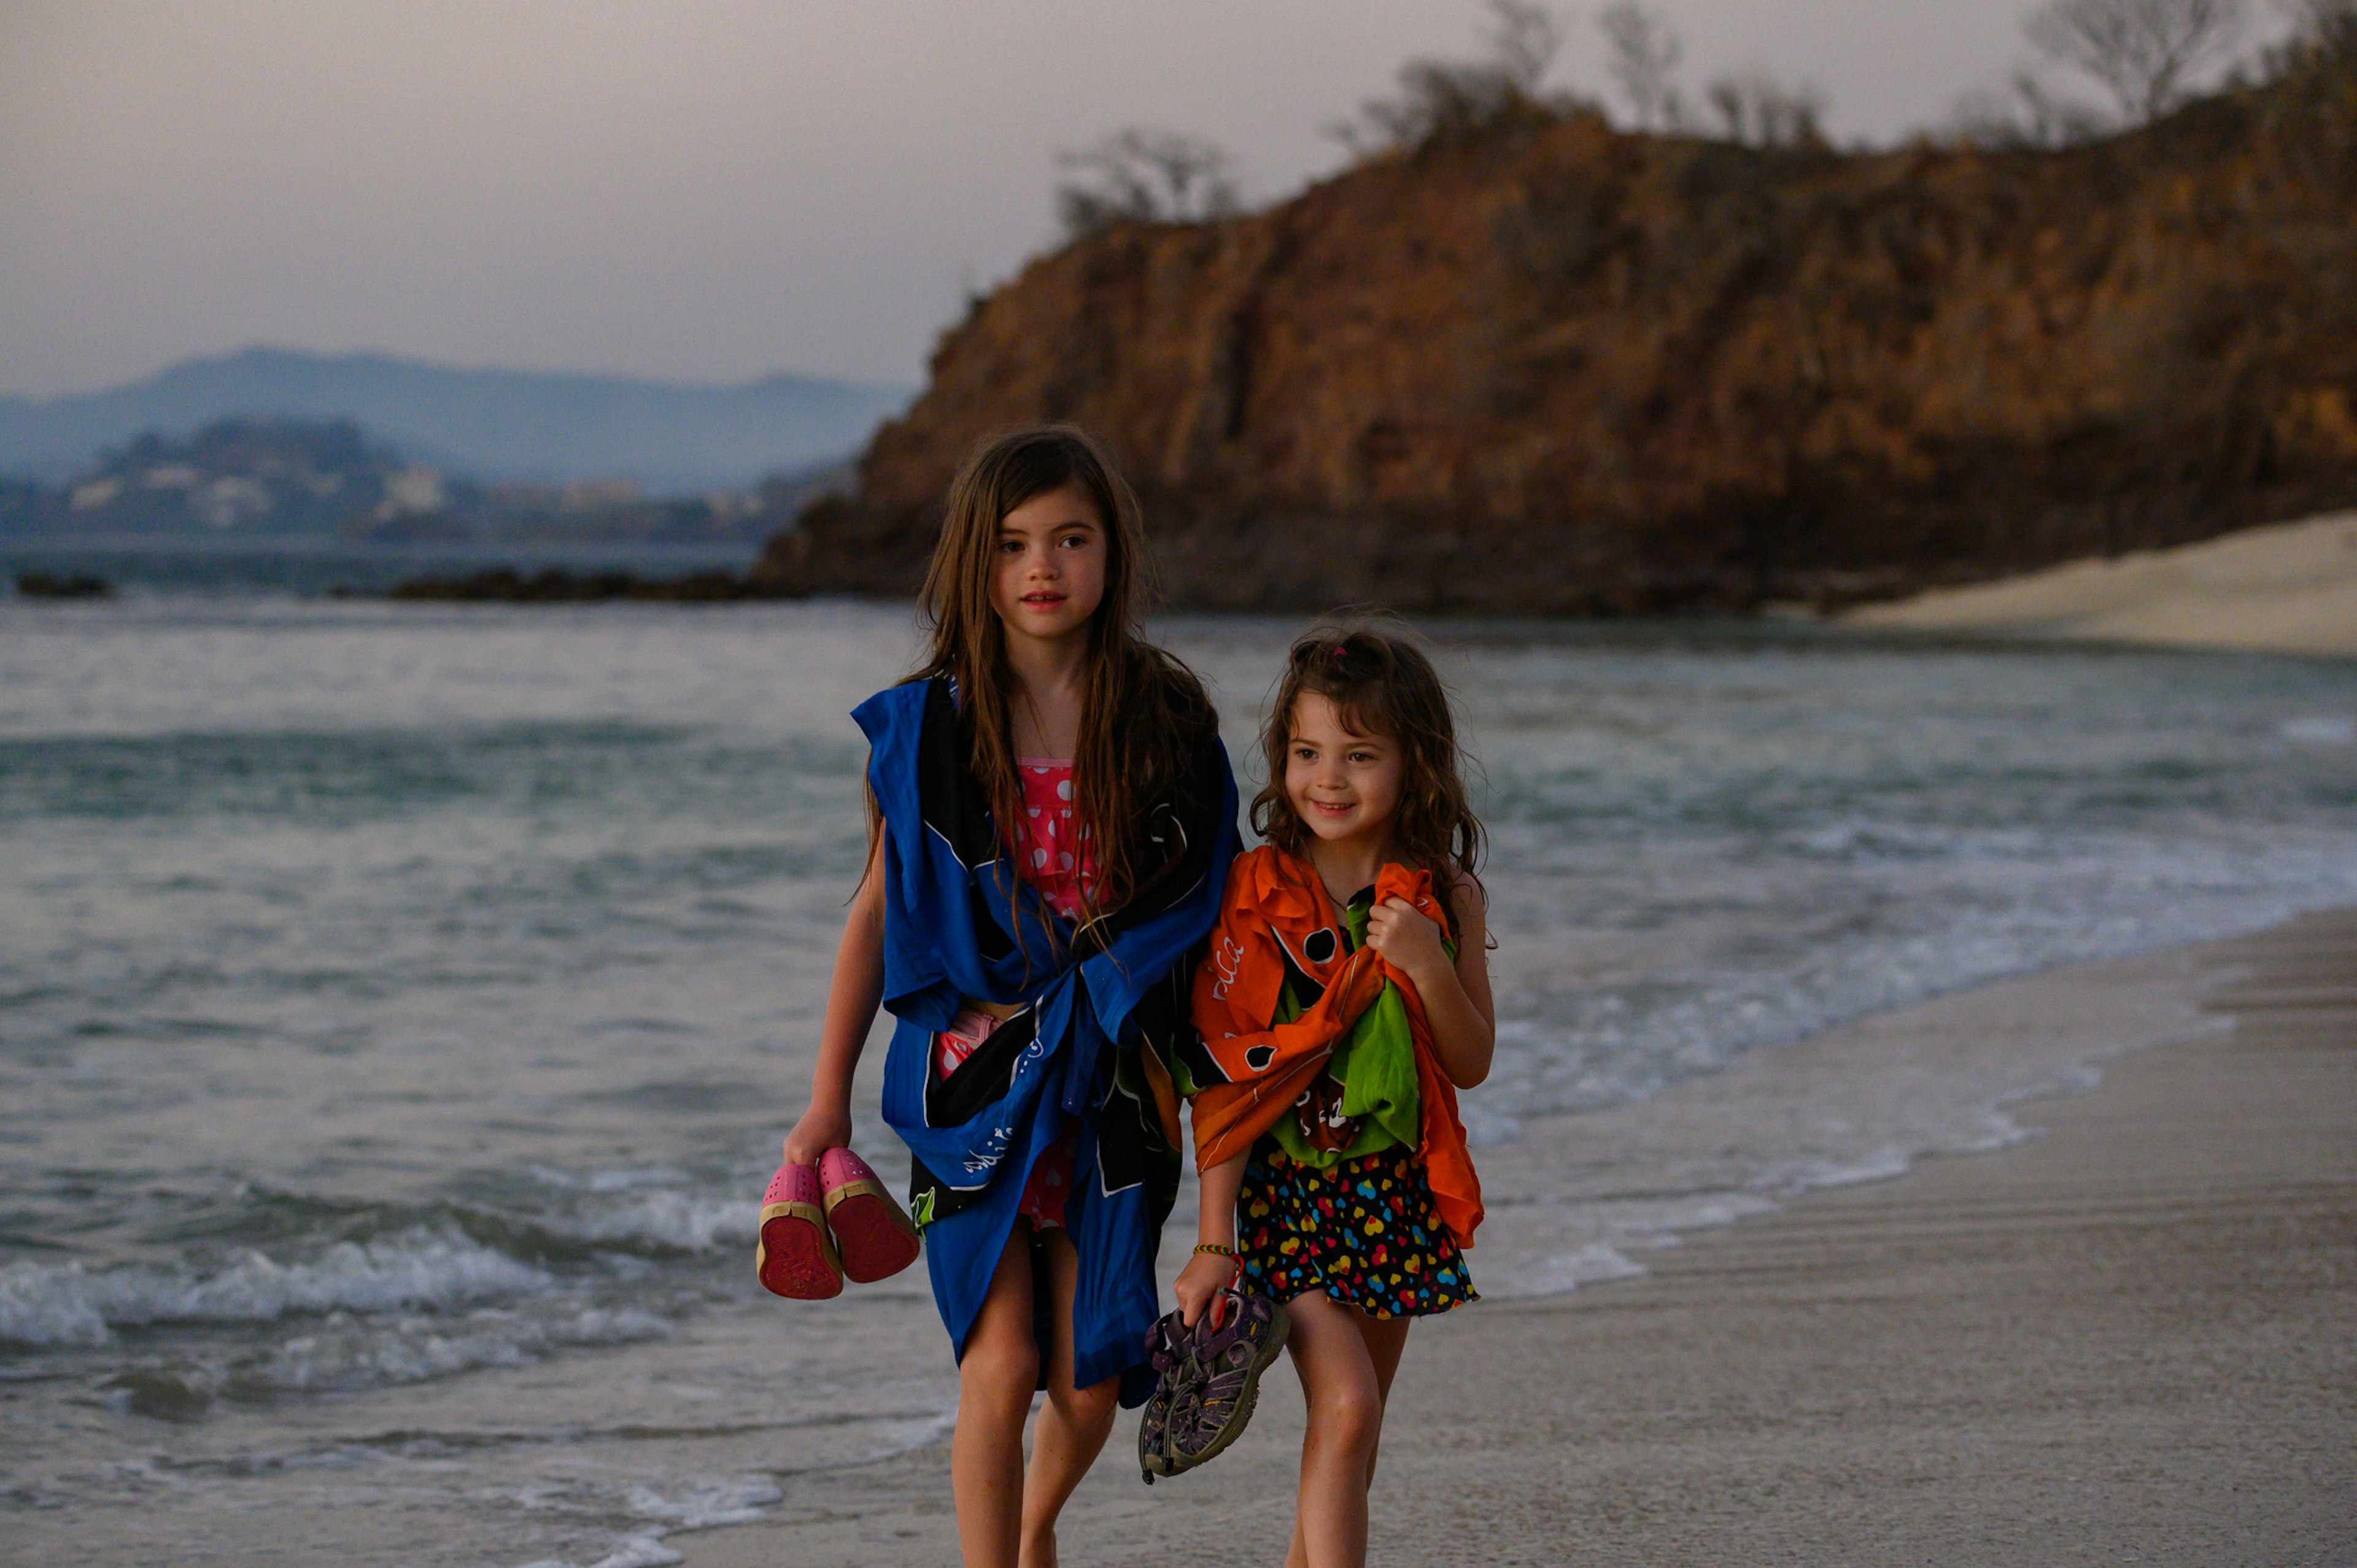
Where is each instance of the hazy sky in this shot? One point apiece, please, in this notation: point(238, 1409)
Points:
point(702, 188)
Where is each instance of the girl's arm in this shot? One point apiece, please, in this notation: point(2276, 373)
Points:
point(1206, 1273)
point(1456, 997)
point(851, 1002)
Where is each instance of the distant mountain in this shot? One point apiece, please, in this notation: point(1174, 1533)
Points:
point(487, 424)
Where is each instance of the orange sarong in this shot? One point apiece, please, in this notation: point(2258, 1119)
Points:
point(1276, 914)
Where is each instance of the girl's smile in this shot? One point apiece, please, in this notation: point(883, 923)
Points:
point(1344, 785)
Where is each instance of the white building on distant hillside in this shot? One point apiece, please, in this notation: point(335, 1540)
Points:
point(92, 494)
point(411, 491)
point(232, 499)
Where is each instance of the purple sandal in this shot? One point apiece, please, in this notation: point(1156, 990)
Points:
point(1209, 1380)
point(1165, 1351)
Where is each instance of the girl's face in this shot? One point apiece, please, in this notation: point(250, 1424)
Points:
point(1048, 576)
point(1342, 784)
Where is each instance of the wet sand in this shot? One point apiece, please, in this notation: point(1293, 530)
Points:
point(2131, 1337)
point(2291, 589)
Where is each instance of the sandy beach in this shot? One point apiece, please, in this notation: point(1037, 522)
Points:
point(2290, 589)
point(2129, 1336)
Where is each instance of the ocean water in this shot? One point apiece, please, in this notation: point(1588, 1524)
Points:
point(400, 1007)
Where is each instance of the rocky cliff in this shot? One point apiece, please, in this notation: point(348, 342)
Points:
point(1554, 368)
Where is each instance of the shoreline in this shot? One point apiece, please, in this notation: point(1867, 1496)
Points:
point(2285, 588)
point(2137, 1316)
point(2288, 588)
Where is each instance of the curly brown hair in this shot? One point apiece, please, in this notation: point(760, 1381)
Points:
point(1381, 684)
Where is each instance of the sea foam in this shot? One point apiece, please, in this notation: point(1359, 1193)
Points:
point(65, 1304)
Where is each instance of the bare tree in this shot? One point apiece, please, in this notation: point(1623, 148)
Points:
point(2143, 52)
point(1762, 111)
point(1440, 98)
point(1144, 175)
point(1523, 40)
point(1645, 54)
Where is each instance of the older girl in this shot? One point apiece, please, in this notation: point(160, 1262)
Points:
point(1053, 821)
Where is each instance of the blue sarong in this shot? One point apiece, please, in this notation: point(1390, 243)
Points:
point(1097, 1002)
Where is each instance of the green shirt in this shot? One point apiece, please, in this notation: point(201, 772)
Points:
point(1373, 1065)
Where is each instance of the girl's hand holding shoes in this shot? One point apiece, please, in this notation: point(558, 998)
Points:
point(1205, 1275)
point(822, 1127)
point(1408, 938)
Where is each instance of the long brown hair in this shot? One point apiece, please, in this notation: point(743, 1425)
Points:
point(1144, 711)
point(1380, 685)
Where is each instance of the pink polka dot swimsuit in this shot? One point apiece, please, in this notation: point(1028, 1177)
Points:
point(1050, 849)
point(1052, 852)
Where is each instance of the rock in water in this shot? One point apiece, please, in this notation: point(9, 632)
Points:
point(51, 585)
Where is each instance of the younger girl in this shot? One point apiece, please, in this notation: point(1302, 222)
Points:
point(1053, 821)
point(1344, 1002)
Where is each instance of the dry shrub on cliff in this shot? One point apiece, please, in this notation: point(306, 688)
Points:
point(1642, 58)
point(2145, 52)
point(1760, 112)
point(1141, 176)
point(1441, 100)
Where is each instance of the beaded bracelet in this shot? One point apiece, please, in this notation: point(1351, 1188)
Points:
point(1215, 1249)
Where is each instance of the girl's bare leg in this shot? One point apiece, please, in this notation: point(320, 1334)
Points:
point(1346, 1416)
point(995, 1378)
point(1074, 1423)
point(1386, 1339)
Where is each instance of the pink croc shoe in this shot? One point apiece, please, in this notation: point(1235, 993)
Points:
point(795, 1256)
point(873, 1231)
